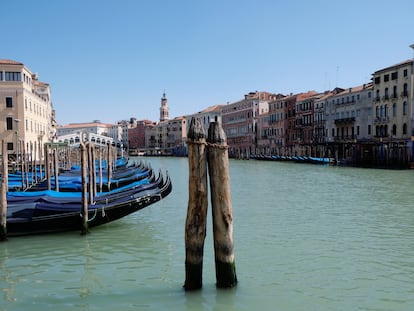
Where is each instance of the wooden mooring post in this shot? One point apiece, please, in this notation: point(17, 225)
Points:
point(84, 172)
point(195, 225)
point(4, 188)
point(218, 168)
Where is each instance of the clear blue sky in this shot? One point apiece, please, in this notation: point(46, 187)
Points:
point(112, 60)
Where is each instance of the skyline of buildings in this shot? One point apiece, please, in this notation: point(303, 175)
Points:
point(338, 123)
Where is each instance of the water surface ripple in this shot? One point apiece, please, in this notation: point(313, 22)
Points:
point(307, 237)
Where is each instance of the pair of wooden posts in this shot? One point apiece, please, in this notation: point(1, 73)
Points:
point(214, 152)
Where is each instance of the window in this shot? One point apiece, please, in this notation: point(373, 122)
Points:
point(10, 146)
point(394, 75)
point(358, 130)
point(405, 90)
point(377, 80)
point(405, 108)
point(13, 76)
point(394, 110)
point(405, 129)
point(9, 102)
point(9, 123)
point(405, 73)
point(1, 75)
point(369, 129)
point(394, 92)
point(386, 78)
point(394, 130)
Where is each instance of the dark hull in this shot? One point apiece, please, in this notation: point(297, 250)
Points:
point(98, 214)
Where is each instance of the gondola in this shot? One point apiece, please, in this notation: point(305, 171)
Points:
point(50, 215)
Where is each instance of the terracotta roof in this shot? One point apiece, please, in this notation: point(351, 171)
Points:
point(9, 62)
point(304, 96)
point(404, 63)
point(358, 88)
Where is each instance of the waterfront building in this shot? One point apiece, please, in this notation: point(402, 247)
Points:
point(27, 118)
point(210, 114)
point(392, 101)
point(136, 136)
point(392, 110)
point(348, 116)
point(304, 125)
point(239, 122)
point(167, 138)
point(290, 101)
point(272, 127)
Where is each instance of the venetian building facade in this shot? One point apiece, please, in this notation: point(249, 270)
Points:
point(272, 127)
point(393, 112)
point(240, 123)
point(27, 117)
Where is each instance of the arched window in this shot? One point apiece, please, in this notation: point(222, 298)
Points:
point(394, 92)
point(394, 109)
point(405, 129)
point(405, 90)
point(405, 108)
point(385, 110)
point(377, 111)
point(394, 130)
point(386, 93)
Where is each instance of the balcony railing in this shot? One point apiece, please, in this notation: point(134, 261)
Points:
point(379, 120)
point(345, 120)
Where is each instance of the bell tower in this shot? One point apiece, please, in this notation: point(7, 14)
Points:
point(164, 110)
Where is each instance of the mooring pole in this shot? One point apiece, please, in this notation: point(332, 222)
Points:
point(195, 226)
point(218, 168)
point(4, 188)
point(109, 166)
point(47, 167)
point(100, 169)
point(90, 172)
point(56, 168)
point(84, 160)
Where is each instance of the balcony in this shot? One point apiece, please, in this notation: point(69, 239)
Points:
point(344, 120)
point(381, 120)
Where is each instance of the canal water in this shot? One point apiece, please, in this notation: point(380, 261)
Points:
point(307, 237)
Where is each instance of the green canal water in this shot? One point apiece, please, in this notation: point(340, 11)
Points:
point(307, 237)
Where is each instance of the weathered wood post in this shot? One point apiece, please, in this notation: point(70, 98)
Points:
point(90, 171)
point(26, 159)
point(47, 167)
point(56, 168)
point(4, 188)
point(22, 164)
point(93, 166)
point(218, 168)
point(195, 226)
point(109, 166)
point(84, 172)
point(100, 169)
